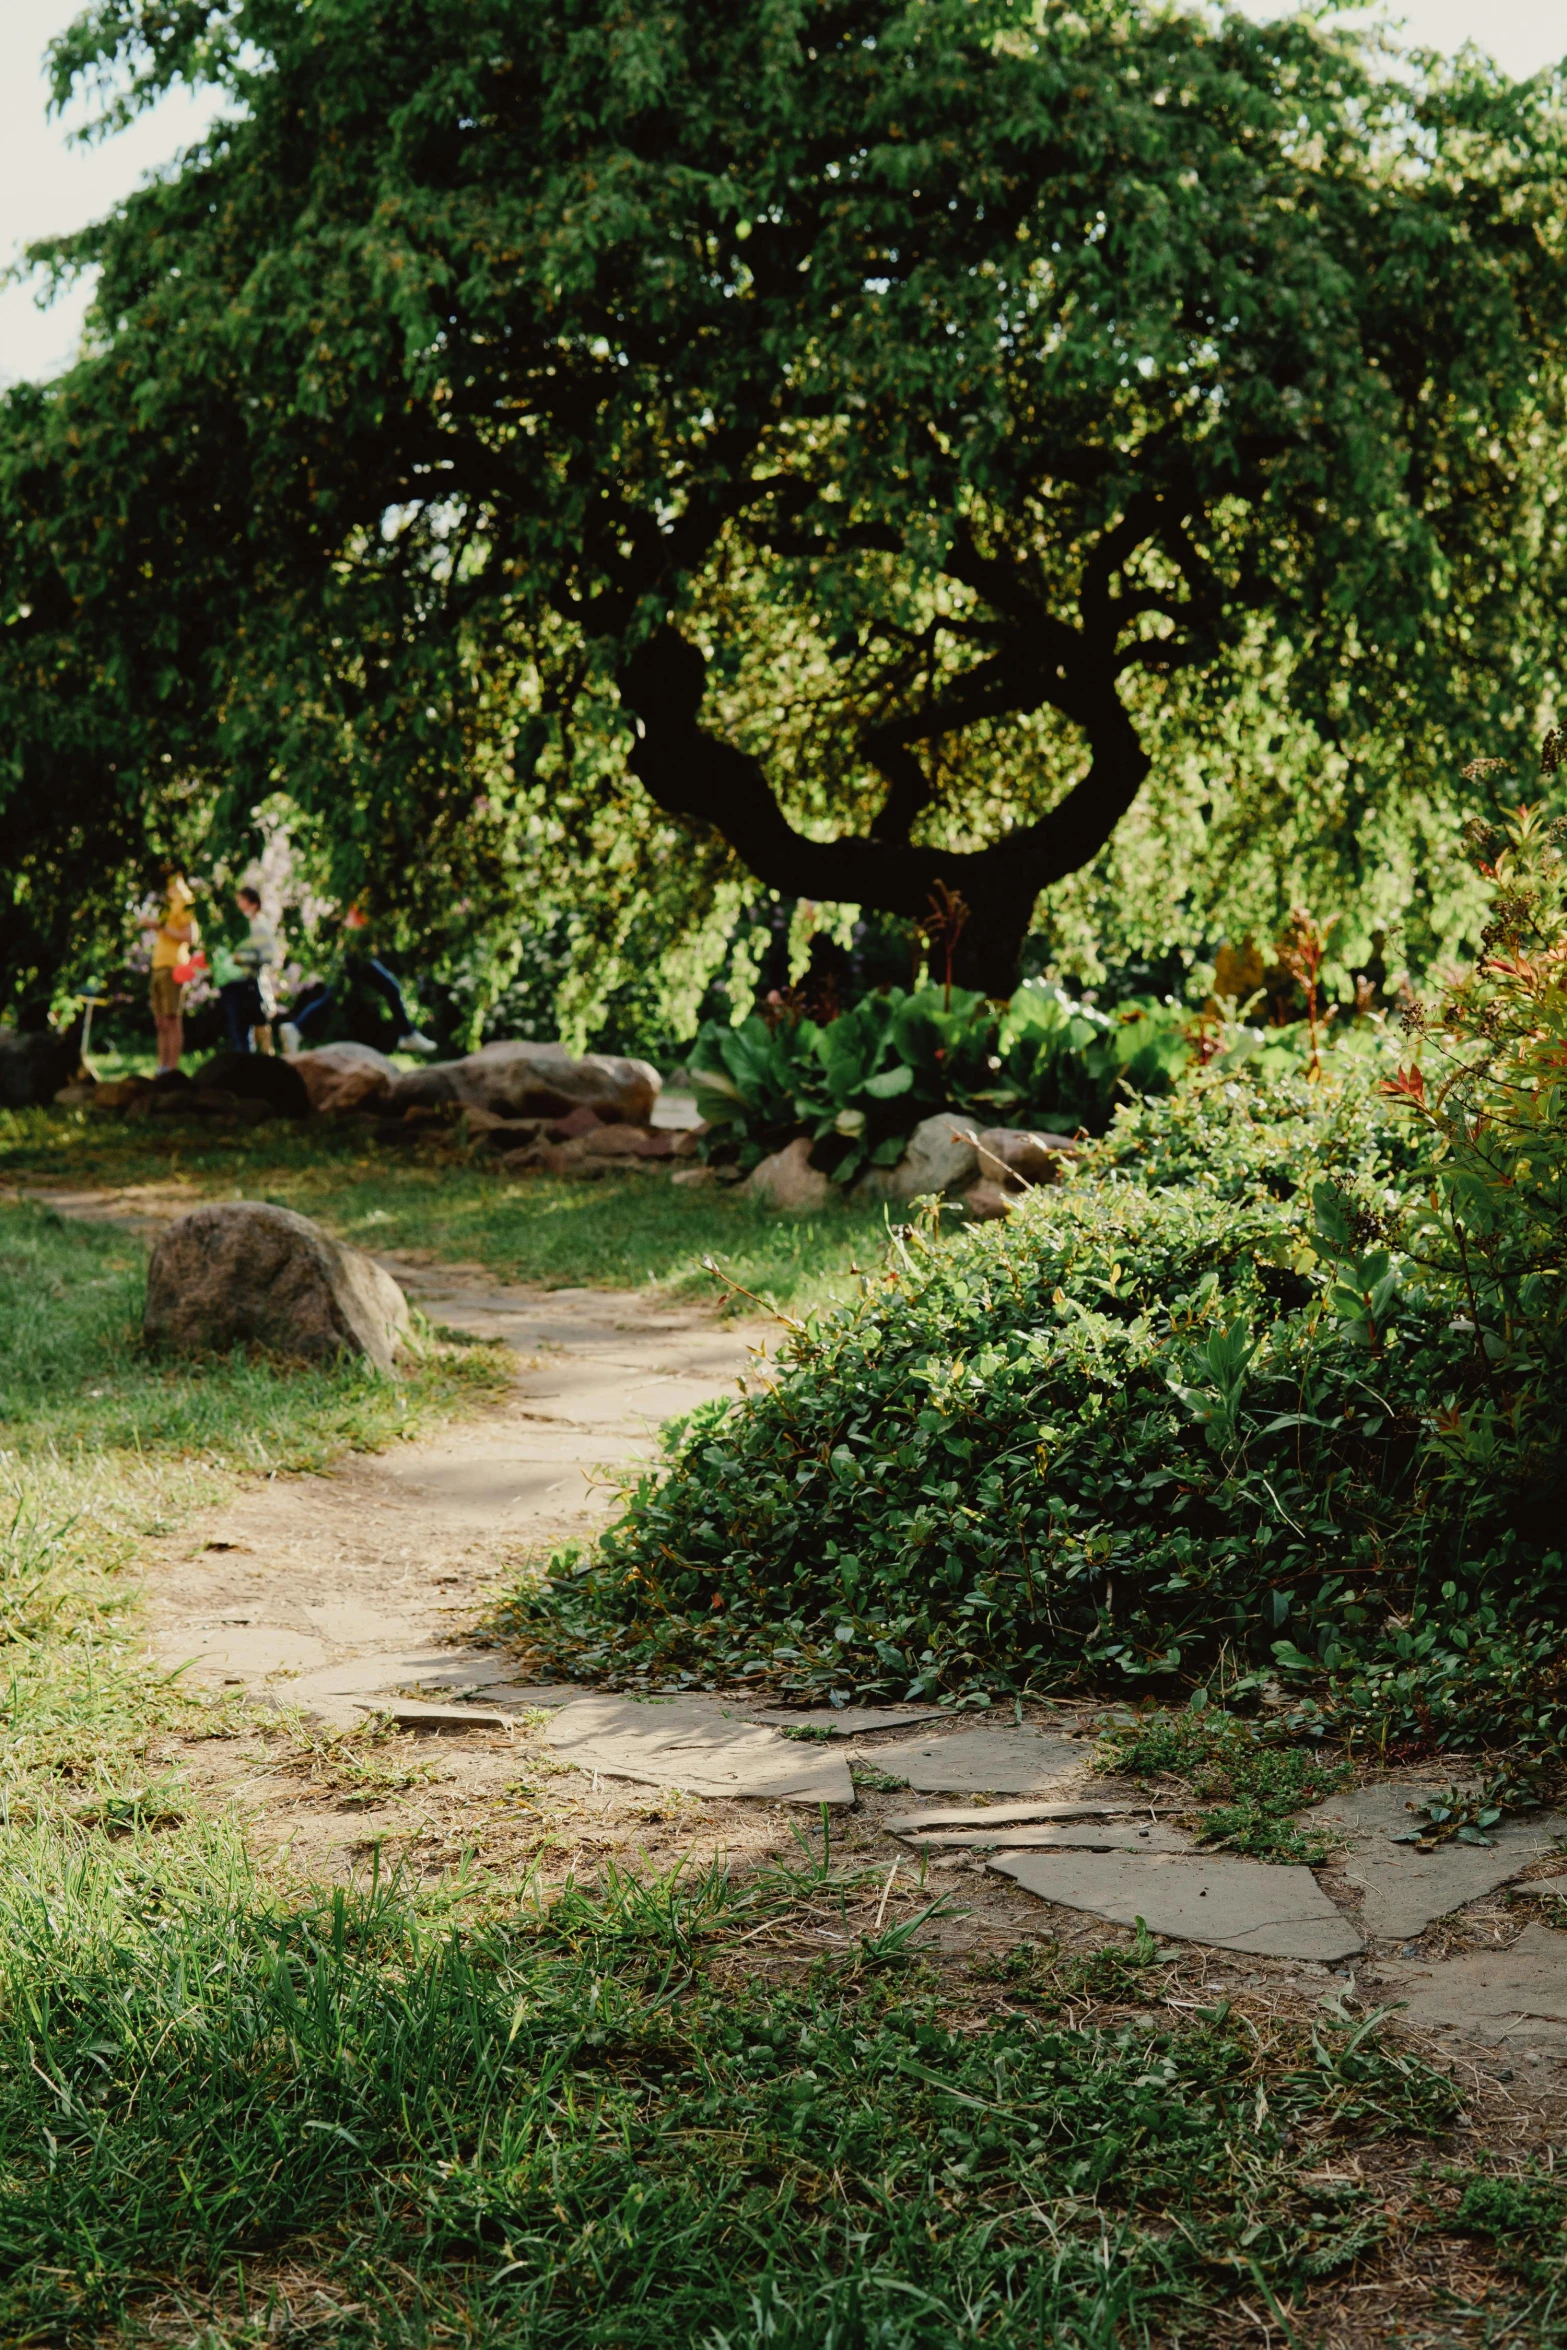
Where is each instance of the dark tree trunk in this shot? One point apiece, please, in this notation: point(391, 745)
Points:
point(693, 775)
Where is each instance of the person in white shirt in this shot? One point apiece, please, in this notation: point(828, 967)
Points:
point(244, 994)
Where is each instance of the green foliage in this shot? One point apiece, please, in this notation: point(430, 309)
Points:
point(1489, 1087)
point(873, 351)
point(1189, 1404)
point(859, 1085)
point(505, 2125)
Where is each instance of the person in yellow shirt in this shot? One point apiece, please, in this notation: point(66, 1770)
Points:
point(174, 936)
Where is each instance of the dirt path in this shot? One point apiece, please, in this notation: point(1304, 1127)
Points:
point(329, 1593)
point(331, 1597)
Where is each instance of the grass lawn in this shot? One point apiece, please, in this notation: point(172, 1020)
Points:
point(234, 2112)
point(621, 1233)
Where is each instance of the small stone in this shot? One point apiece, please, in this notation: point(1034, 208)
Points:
point(989, 1762)
point(240, 1273)
point(338, 1078)
point(262, 1080)
point(1085, 1836)
point(1234, 1904)
point(582, 1120)
point(1035, 1158)
point(986, 1202)
point(992, 1815)
point(115, 1096)
point(410, 1714)
point(693, 1743)
point(848, 1721)
point(694, 1175)
point(621, 1141)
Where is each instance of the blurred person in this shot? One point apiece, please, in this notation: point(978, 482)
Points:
point(244, 976)
point(360, 967)
point(174, 941)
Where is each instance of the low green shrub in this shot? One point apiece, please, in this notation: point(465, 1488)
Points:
point(1276, 1379)
point(1252, 1777)
point(860, 1085)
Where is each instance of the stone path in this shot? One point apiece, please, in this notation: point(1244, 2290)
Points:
point(347, 1595)
point(352, 1583)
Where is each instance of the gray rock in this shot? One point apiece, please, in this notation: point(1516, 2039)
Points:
point(1233, 1904)
point(940, 1157)
point(1000, 1815)
point(408, 1713)
point(1061, 1836)
point(987, 1762)
point(695, 1744)
point(250, 1652)
point(426, 1665)
point(1034, 1158)
point(340, 1077)
point(521, 1080)
point(788, 1180)
point(987, 1203)
point(240, 1273)
point(1511, 1998)
point(1404, 1889)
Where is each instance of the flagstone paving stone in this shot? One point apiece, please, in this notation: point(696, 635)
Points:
point(989, 1762)
point(847, 1721)
point(1247, 1905)
point(991, 1815)
point(1403, 1889)
point(696, 1744)
point(1060, 1835)
point(1514, 1998)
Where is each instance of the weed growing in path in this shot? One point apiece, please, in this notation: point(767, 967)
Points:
point(1251, 1778)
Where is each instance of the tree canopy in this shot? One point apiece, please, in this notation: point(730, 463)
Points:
point(842, 441)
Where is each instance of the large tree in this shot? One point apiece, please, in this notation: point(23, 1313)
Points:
point(879, 410)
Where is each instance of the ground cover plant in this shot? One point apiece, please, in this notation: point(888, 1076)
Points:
point(1251, 1778)
point(1273, 1379)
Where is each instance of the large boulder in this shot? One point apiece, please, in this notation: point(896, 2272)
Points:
point(788, 1180)
point(258, 1078)
point(939, 1157)
point(35, 1063)
point(534, 1081)
point(240, 1273)
point(338, 1077)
